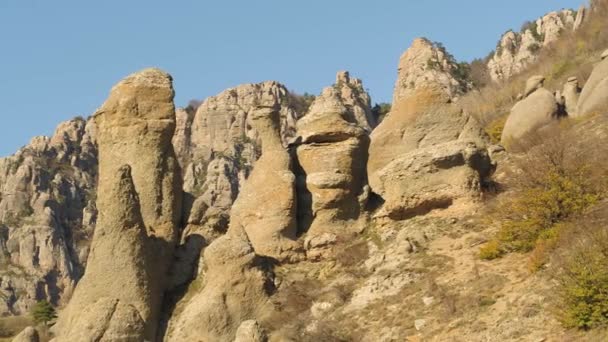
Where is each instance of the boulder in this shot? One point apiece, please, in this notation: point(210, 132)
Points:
point(250, 331)
point(594, 96)
point(536, 110)
point(433, 177)
point(28, 334)
point(533, 83)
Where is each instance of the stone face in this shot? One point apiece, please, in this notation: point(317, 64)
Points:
point(515, 51)
point(139, 196)
point(533, 112)
point(47, 215)
point(429, 66)
point(593, 97)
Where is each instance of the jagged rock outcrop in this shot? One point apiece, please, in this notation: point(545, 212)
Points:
point(515, 51)
point(427, 65)
point(28, 334)
point(538, 108)
point(331, 152)
point(593, 97)
point(139, 196)
point(354, 102)
point(426, 154)
point(47, 215)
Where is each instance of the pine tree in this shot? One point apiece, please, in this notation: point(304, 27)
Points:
point(43, 312)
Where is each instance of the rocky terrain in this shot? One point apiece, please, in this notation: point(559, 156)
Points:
point(256, 216)
point(516, 50)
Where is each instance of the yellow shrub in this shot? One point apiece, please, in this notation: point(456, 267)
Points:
point(495, 128)
point(490, 251)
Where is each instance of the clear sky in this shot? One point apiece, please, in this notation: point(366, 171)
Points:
point(59, 59)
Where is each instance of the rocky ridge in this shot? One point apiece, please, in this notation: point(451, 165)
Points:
point(516, 50)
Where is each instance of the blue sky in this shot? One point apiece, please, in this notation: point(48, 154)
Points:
point(58, 59)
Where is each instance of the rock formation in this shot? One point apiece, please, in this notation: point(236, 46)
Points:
point(515, 51)
point(571, 93)
point(538, 108)
point(593, 97)
point(250, 331)
point(218, 145)
point(266, 206)
point(427, 65)
point(29, 334)
point(232, 288)
point(139, 199)
point(47, 215)
point(426, 154)
point(331, 152)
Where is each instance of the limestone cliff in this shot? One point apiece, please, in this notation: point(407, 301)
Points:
point(47, 216)
point(516, 50)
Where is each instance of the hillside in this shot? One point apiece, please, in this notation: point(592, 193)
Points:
point(473, 210)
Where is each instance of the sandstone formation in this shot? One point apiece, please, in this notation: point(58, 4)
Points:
point(29, 334)
point(426, 154)
point(266, 206)
point(139, 199)
point(427, 65)
point(537, 109)
point(47, 215)
point(571, 93)
point(234, 288)
point(218, 145)
point(427, 158)
point(593, 97)
point(515, 51)
point(331, 152)
point(250, 331)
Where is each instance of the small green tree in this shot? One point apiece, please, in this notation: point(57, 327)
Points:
point(43, 312)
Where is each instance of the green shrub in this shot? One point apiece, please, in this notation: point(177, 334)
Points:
point(43, 312)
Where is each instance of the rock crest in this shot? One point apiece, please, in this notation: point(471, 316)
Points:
point(427, 65)
point(139, 199)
